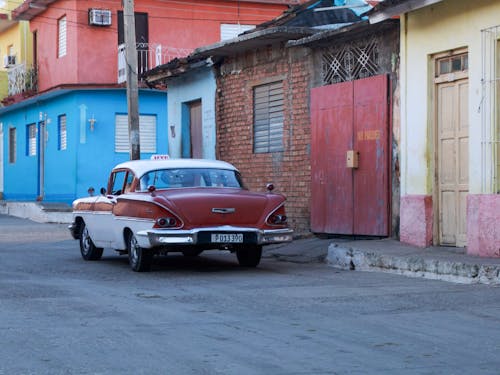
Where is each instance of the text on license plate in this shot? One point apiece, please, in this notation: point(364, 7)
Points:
point(227, 237)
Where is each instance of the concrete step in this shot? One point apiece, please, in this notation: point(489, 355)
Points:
point(41, 212)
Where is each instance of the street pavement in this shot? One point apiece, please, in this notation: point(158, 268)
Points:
point(376, 255)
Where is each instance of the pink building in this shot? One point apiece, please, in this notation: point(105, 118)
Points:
point(80, 42)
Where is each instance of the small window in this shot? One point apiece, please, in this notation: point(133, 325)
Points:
point(12, 145)
point(31, 141)
point(62, 137)
point(268, 118)
point(453, 64)
point(62, 37)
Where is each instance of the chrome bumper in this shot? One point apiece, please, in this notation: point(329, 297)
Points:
point(164, 237)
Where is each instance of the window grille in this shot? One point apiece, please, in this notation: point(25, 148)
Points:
point(350, 61)
point(268, 118)
point(62, 37)
point(147, 133)
point(12, 145)
point(62, 135)
point(31, 141)
point(490, 110)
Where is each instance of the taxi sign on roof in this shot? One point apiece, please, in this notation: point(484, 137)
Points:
point(160, 157)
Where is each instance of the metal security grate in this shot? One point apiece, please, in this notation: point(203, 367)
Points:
point(490, 110)
point(351, 61)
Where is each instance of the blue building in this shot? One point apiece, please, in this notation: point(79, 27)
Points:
point(57, 145)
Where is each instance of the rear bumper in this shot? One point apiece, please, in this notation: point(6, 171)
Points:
point(161, 237)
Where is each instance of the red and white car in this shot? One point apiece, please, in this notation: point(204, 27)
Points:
point(178, 205)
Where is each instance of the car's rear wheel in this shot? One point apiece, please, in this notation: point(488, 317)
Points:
point(87, 248)
point(139, 259)
point(249, 255)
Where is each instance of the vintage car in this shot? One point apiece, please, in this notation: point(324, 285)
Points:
point(178, 205)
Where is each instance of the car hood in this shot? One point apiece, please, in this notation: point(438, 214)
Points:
point(213, 206)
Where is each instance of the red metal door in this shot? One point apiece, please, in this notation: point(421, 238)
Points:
point(350, 116)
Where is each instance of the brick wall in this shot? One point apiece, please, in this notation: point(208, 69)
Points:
point(288, 170)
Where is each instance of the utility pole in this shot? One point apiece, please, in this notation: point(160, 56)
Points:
point(132, 79)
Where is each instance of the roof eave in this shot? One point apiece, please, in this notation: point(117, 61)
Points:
point(389, 9)
point(30, 9)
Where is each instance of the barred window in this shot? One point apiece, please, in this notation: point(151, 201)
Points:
point(31, 140)
point(268, 118)
point(62, 137)
point(350, 61)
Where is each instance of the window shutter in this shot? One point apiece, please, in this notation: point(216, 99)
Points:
point(147, 133)
point(61, 51)
point(268, 118)
point(230, 30)
point(31, 140)
point(62, 132)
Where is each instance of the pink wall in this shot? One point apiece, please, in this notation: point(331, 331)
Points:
point(483, 225)
point(92, 50)
point(416, 220)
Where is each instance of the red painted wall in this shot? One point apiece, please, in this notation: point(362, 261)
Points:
point(92, 50)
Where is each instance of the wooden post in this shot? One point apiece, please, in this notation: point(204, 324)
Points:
point(132, 79)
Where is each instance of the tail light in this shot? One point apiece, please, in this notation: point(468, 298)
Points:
point(278, 217)
point(166, 222)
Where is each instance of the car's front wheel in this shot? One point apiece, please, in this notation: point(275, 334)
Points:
point(139, 259)
point(87, 248)
point(249, 255)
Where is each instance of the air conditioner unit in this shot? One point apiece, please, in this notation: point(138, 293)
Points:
point(100, 17)
point(9, 60)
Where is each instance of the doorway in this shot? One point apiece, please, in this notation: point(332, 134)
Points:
point(452, 150)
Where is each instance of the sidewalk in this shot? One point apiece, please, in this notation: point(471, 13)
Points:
point(388, 255)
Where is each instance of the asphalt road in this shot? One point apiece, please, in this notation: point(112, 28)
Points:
point(62, 315)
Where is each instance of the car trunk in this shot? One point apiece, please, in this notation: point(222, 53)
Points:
point(213, 207)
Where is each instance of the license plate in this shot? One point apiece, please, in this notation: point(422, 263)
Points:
point(227, 237)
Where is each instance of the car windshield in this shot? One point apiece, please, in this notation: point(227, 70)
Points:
point(190, 177)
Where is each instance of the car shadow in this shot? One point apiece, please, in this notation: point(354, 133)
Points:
point(178, 263)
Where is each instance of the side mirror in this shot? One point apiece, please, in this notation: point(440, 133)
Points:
point(270, 187)
point(103, 191)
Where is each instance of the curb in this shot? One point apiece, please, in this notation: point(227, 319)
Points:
point(348, 258)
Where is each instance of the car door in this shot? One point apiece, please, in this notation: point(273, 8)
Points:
point(104, 229)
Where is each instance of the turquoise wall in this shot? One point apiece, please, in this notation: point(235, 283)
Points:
point(199, 85)
point(89, 156)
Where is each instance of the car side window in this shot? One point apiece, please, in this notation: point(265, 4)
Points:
point(118, 182)
point(128, 182)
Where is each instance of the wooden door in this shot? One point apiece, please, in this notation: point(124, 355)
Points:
point(195, 129)
point(452, 161)
point(350, 199)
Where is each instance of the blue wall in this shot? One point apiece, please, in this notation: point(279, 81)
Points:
point(198, 85)
point(89, 156)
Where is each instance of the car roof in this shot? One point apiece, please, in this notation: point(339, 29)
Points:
point(139, 167)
